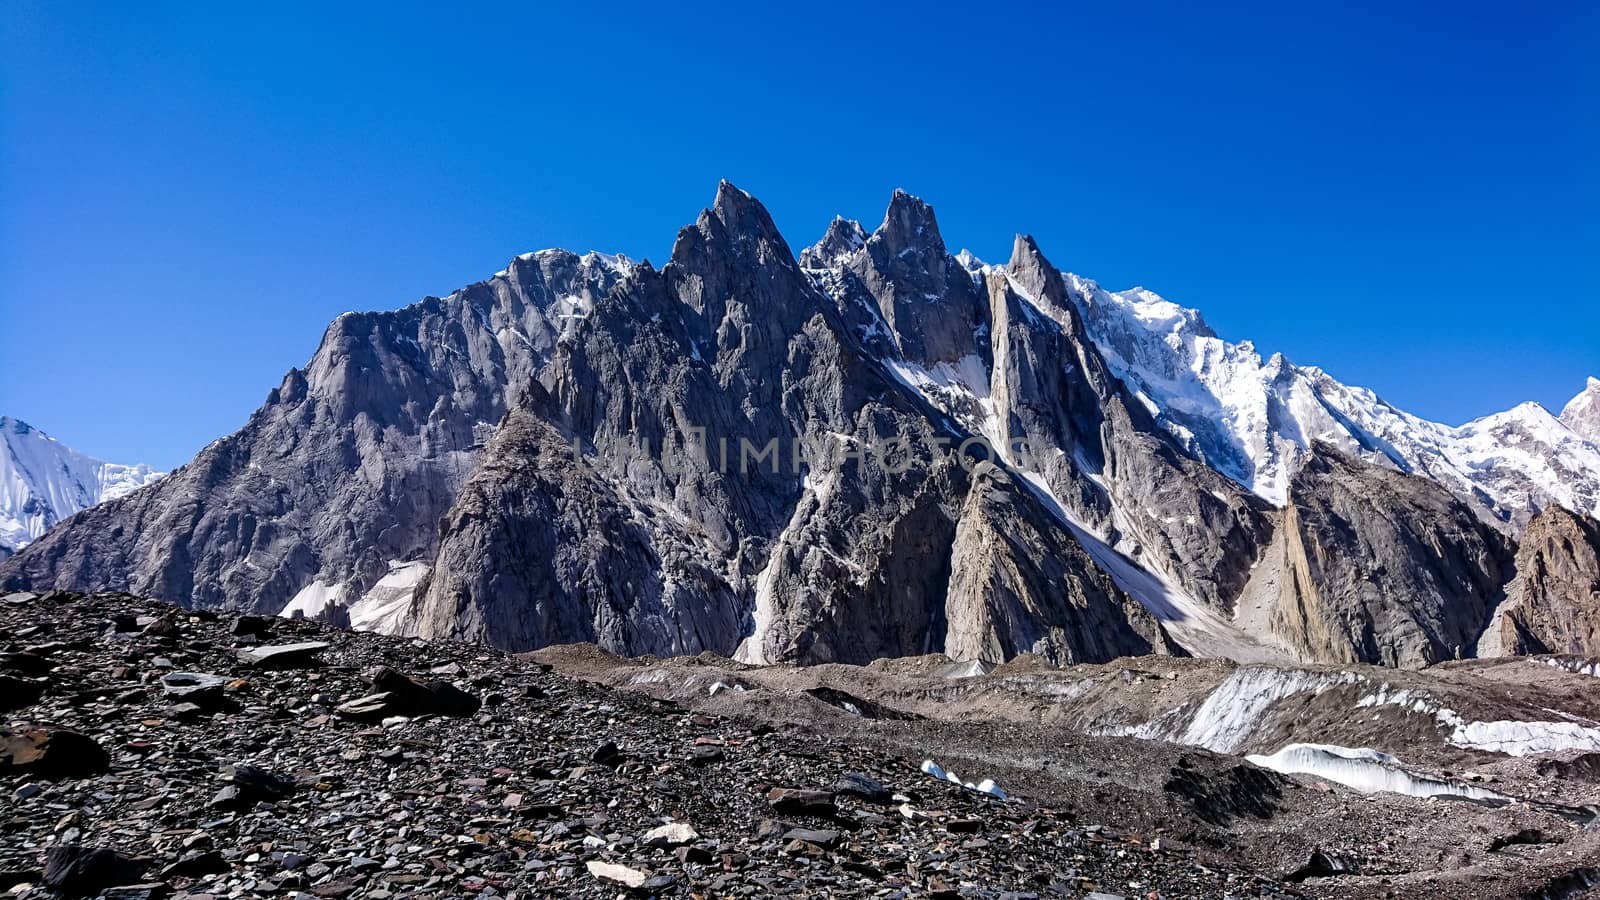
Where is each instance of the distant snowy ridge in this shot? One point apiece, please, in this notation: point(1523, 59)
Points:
point(43, 481)
point(1252, 419)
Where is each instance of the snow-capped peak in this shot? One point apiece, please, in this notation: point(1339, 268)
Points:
point(43, 481)
point(613, 262)
point(843, 238)
point(1252, 421)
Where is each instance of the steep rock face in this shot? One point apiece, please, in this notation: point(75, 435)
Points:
point(671, 538)
point(1382, 567)
point(1045, 388)
point(1028, 379)
point(1582, 413)
point(1173, 513)
point(1552, 603)
point(346, 467)
point(1020, 588)
point(540, 550)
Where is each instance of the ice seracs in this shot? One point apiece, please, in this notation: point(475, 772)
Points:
point(43, 481)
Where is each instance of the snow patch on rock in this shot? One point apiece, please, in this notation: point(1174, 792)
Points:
point(314, 601)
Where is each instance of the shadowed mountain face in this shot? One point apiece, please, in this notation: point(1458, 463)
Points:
point(1382, 567)
point(876, 449)
point(1553, 603)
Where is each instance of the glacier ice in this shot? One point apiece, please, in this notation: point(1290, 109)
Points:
point(1368, 771)
point(43, 481)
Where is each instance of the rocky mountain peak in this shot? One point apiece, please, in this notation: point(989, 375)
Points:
point(736, 226)
point(909, 224)
point(1582, 413)
point(291, 390)
point(843, 237)
point(1031, 272)
point(903, 282)
point(745, 217)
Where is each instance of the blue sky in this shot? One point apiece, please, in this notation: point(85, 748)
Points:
point(1404, 194)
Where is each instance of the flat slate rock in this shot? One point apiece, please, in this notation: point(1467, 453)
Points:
point(283, 656)
point(193, 687)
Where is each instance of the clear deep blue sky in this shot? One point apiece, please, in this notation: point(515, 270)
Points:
point(1403, 194)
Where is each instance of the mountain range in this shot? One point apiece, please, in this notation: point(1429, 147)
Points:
point(556, 455)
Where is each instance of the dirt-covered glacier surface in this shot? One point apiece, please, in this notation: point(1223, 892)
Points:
point(151, 751)
point(1474, 779)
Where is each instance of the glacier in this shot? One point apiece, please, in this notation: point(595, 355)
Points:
point(43, 481)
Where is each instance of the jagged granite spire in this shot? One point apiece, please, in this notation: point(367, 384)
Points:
point(926, 300)
point(1035, 275)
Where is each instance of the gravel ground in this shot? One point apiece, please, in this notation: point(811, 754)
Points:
point(198, 755)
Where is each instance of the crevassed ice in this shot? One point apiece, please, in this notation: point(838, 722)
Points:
point(386, 607)
point(1228, 716)
point(1231, 712)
